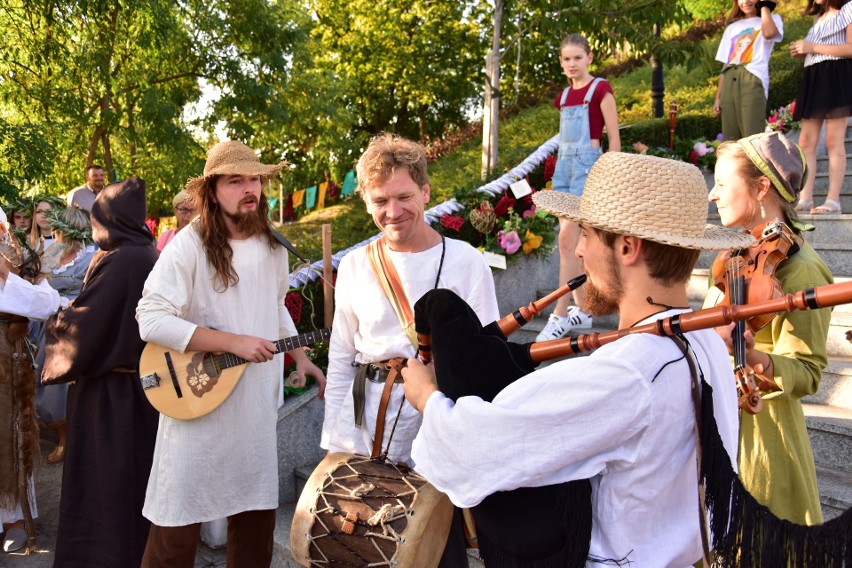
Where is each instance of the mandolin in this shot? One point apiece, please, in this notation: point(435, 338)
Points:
point(191, 384)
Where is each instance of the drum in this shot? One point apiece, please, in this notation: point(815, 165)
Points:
point(355, 511)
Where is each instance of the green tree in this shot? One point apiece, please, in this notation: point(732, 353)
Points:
point(410, 67)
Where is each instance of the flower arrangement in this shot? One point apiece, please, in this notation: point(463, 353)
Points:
point(502, 224)
point(700, 152)
point(782, 119)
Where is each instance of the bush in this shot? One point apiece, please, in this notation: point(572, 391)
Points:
point(655, 132)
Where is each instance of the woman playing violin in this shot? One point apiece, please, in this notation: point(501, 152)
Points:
point(758, 180)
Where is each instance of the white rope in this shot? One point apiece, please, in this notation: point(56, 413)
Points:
point(310, 273)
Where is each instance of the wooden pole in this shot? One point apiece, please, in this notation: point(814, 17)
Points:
point(327, 290)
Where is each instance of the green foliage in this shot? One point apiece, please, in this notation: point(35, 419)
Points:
point(25, 155)
point(656, 132)
point(406, 67)
point(706, 9)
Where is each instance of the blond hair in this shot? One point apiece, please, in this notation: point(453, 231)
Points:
point(384, 154)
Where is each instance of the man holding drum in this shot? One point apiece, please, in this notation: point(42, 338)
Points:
point(367, 330)
point(623, 416)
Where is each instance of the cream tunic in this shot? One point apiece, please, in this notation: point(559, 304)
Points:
point(225, 462)
point(367, 329)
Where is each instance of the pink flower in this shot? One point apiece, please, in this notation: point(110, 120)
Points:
point(793, 107)
point(510, 241)
point(700, 148)
point(528, 212)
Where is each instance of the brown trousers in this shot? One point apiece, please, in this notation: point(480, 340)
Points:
point(249, 542)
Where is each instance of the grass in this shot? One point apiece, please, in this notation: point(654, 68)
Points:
point(520, 134)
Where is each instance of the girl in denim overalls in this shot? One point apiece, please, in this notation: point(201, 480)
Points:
point(585, 107)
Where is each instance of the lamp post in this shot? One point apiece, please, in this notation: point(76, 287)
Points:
point(672, 121)
point(658, 88)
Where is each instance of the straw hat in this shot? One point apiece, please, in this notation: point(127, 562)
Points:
point(648, 197)
point(232, 158)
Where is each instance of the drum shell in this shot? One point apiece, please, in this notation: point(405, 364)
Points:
point(423, 532)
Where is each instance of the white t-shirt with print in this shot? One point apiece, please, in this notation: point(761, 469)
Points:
point(743, 44)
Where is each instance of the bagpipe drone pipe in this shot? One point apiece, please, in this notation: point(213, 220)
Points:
point(543, 526)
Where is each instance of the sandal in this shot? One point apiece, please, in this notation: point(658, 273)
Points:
point(830, 206)
point(805, 205)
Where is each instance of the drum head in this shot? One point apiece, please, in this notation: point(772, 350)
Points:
point(359, 512)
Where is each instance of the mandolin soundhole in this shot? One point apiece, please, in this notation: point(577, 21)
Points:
point(202, 373)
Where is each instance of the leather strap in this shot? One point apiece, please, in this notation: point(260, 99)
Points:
point(395, 368)
point(359, 393)
point(696, 401)
point(388, 278)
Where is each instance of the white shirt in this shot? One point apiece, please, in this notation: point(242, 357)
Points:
point(33, 301)
point(829, 29)
point(366, 329)
point(743, 43)
point(621, 417)
point(225, 462)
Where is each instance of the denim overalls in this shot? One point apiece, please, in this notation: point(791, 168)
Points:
point(576, 153)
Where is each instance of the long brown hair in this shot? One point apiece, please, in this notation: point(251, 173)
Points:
point(215, 235)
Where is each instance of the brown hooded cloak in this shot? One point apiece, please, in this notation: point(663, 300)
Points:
point(111, 425)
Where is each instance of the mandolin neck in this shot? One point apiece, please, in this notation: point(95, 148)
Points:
point(227, 360)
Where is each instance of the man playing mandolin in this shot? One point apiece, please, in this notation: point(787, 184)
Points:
point(220, 287)
point(623, 416)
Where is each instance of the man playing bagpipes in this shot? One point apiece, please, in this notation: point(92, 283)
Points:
point(624, 416)
point(375, 289)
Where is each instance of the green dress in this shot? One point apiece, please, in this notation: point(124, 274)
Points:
point(776, 463)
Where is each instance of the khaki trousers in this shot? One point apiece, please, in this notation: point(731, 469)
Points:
point(249, 542)
point(743, 104)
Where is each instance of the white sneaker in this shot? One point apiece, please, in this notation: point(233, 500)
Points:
point(558, 326)
point(578, 319)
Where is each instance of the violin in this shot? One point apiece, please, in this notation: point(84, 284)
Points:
point(747, 276)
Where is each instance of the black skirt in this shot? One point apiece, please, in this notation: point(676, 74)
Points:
point(826, 90)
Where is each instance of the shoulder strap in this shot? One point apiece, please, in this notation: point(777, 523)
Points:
point(287, 244)
point(388, 278)
point(588, 98)
point(683, 345)
point(564, 97)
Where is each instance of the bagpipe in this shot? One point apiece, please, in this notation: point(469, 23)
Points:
point(551, 525)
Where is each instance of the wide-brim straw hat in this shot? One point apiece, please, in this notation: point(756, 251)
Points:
point(232, 158)
point(652, 198)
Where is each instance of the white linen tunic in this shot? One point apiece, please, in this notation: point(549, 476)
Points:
point(366, 329)
point(623, 417)
point(225, 462)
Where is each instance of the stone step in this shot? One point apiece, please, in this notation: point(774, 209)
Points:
point(830, 432)
point(821, 188)
point(835, 491)
point(835, 387)
point(822, 161)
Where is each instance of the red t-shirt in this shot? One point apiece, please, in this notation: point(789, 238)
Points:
point(576, 96)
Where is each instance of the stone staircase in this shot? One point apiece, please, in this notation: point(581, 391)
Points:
point(828, 412)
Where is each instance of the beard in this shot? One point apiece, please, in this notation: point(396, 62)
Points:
point(248, 223)
point(603, 299)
